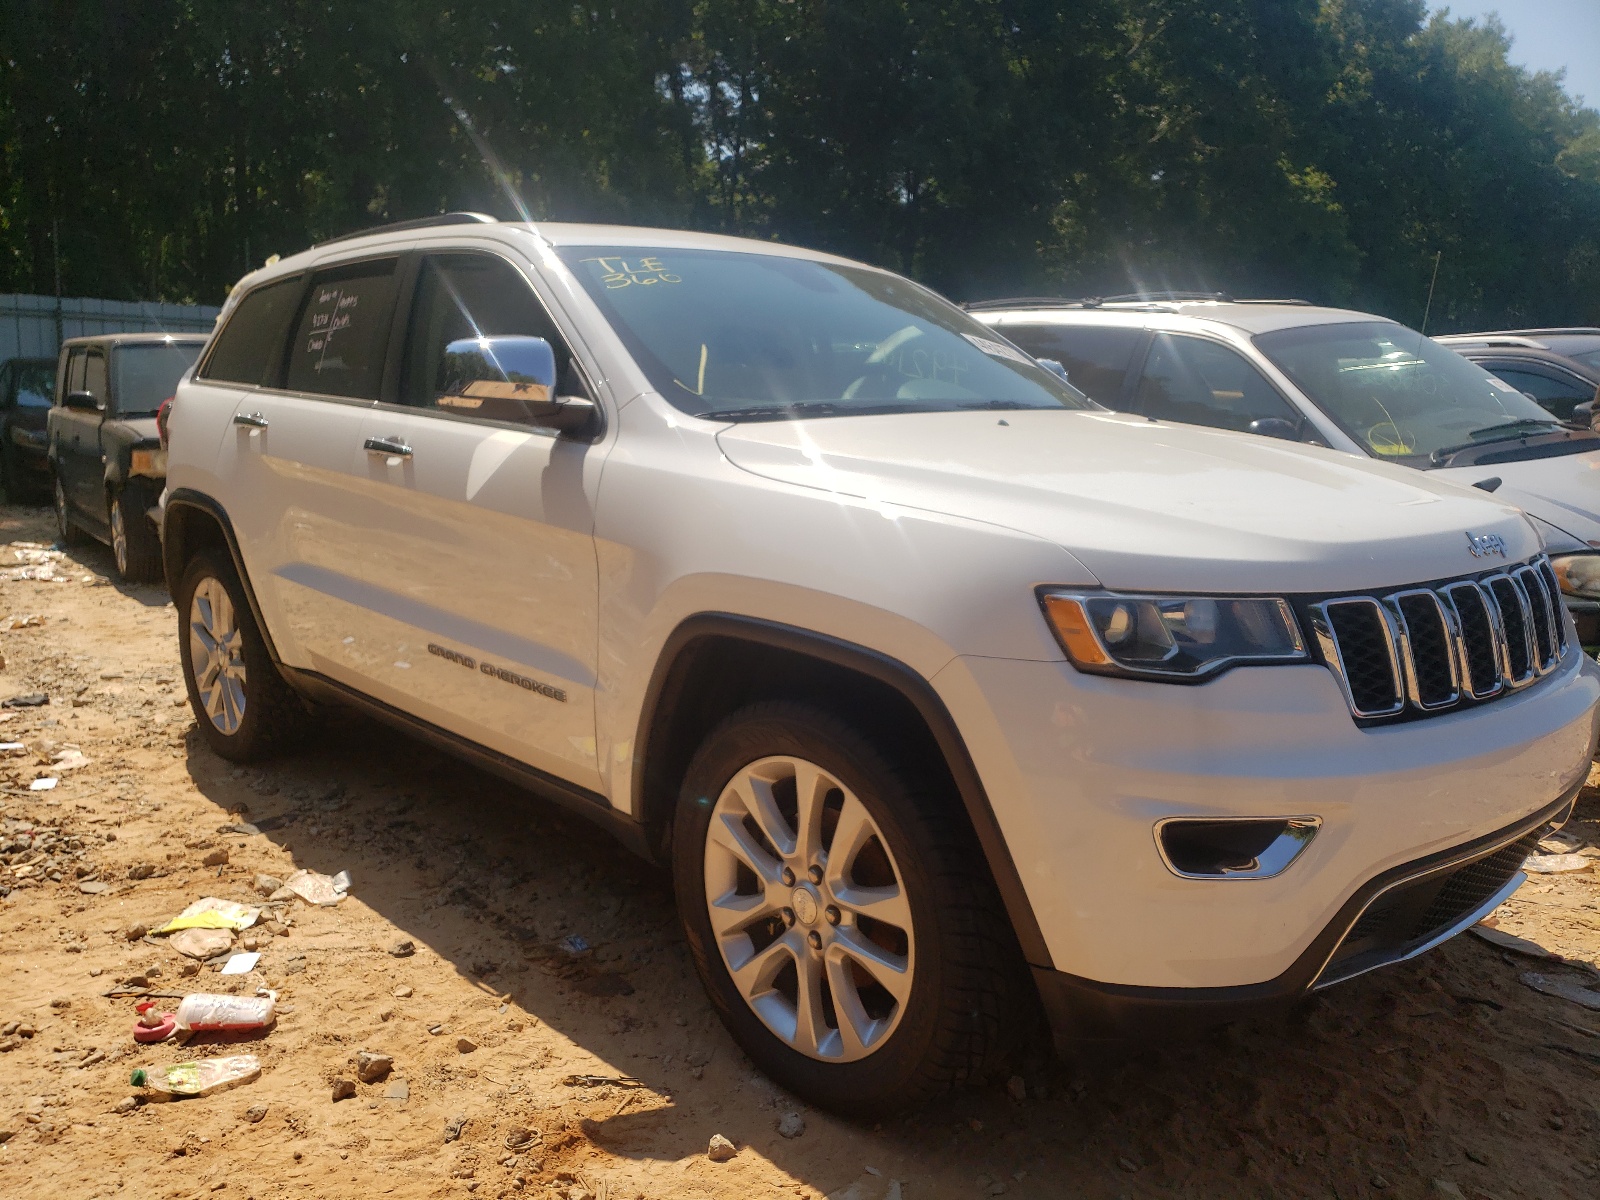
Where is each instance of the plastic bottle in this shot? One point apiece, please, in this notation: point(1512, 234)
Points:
point(202, 1077)
point(205, 1012)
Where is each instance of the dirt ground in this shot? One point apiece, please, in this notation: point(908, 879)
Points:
point(1445, 1077)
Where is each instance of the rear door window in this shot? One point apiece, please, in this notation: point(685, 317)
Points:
point(1201, 382)
point(343, 331)
point(249, 350)
point(1096, 358)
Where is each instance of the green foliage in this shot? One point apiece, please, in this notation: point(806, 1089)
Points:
point(1322, 148)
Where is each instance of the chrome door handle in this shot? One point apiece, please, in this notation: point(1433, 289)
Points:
point(387, 445)
point(255, 420)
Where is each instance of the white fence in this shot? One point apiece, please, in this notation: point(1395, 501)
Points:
point(34, 326)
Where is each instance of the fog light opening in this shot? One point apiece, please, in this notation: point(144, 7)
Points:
point(1233, 848)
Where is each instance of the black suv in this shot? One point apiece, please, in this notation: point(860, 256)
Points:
point(1559, 368)
point(104, 448)
point(26, 385)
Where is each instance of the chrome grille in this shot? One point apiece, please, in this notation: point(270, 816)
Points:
point(1428, 649)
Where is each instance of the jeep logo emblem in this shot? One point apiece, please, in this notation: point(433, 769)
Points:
point(1484, 544)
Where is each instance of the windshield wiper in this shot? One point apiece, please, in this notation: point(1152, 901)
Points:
point(1503, 433)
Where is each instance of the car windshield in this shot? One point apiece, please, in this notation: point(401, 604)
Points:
point(147, 374)
point(763, 337)
point(1399, 394)
point(36, 384)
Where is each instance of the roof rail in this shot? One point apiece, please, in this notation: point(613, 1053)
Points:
point(449, 218)
point(1555, 331)
point(1491, 339)
point(1102, 301)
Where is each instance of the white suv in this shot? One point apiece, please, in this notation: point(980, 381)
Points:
point(949, 696)
point(1331, 377)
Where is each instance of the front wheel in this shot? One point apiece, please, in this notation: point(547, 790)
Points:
point(842, 923)
point(134, 544)
point(241, 704)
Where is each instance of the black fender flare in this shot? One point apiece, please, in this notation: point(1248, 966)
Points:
point(893, 673)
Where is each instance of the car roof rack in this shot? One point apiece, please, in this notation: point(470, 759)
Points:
point(1520, 341)
point(1131, 298)
point(449, 218)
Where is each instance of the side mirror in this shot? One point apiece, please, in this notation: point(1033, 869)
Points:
point(83, 401)
point(508, 378)
point(1276, 427)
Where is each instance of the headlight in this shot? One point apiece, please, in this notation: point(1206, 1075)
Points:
point(1578, 574)
point(1171, 637)
point(148, 462)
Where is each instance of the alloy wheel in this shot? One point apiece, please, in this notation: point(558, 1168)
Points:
point(119, 538)
point(216, 654)
point(809, 909)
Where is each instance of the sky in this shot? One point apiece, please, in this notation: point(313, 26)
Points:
point(1546, 36)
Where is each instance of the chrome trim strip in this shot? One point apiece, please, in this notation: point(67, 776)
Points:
point(1328, 641)
point(1514, 681)
point(1277, 858)
point(1496, 638)
point(1533, 585)
point(1408, 652)
point(1466, 922)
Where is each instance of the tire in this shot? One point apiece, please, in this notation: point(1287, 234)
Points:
point(242, 706)
point(68, 532)
point(134, 544)
point(934, 987)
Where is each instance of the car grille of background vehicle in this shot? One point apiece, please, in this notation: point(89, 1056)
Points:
point(1425, 650)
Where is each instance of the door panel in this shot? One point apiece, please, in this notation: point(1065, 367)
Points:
point(297, 462)
point(478, 582)
point(292, 483)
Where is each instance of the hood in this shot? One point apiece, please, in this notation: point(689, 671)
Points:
point(1563, 491)
point(1149, 505)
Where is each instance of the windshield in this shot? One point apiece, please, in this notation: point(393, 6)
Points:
point(761, 337)
point(147, 373)
point(1397, 393)
point(36, 384)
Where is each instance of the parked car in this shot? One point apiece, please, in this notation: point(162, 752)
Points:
point(1559, 368)
point(26, 385)
point(1331, 377)
point(104, 450)
point(946, 694)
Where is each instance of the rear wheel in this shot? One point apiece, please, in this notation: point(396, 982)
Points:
point(241, 704)
point(134, 543)
point(844, 927)
point(68, 533)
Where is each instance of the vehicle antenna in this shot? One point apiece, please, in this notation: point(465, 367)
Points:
point(1426, 312)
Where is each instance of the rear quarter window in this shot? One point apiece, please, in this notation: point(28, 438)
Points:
point(249, 348)
point(1096, 358)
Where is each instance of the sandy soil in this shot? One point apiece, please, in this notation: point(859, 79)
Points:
point(1445, 1077)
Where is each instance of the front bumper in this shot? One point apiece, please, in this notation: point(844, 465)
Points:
point(1081, 771)
point(1393, 917)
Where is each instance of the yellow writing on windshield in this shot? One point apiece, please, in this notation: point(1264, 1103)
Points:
point(617, 272)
